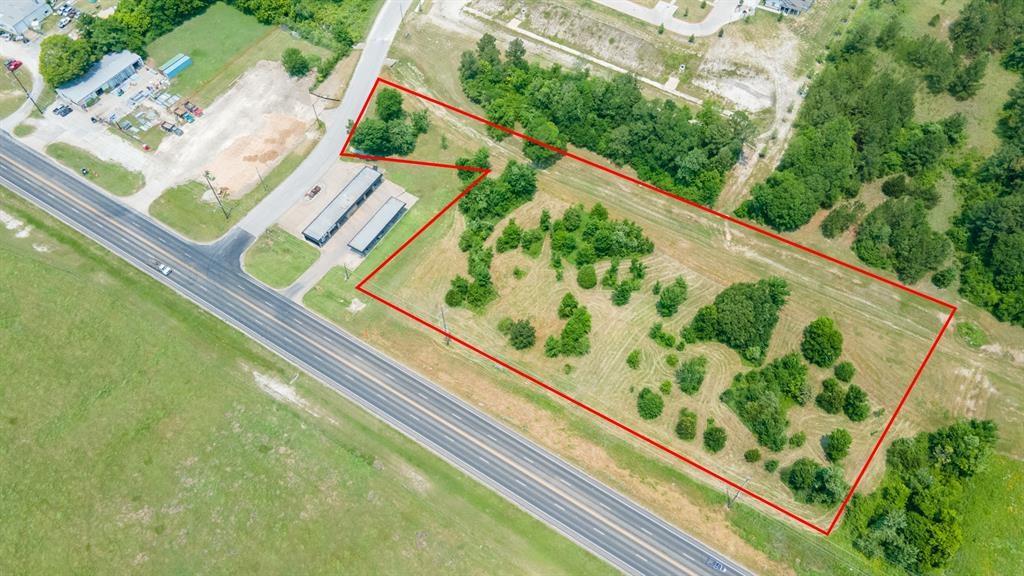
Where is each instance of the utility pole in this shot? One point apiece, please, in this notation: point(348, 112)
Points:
point(262, 183)
point(444, 321)
point(737, 494)
point(25, 90)
point(206, 174)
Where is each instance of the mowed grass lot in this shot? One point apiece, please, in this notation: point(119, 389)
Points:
point(110, 176)
point(135, 438)
point(278, 258)
point(184, 209)
point(223, 43)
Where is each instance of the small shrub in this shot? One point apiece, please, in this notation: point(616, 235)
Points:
point(294, 62)
point(832, 396)
point(649, 404)
point(622, 294)
point(633, 360)
point(771, 465)
point(672, 360)
point(522, 335)
point(797, 440)
point(845, 371)
point(567, 306)
point(505, 325)
point(943, 278)
point(587, 277)
point(856, 405)
point(665, 387)
point(837, 444)
point(690, 375)
point(971, 334)
point(659, 335)
point(670, 297)
point(752, 455)
point(714, 437)
point(518, 273)
point(686, 425)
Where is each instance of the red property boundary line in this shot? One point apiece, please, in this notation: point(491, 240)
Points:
point(484, 172)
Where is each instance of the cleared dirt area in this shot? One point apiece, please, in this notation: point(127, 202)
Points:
point(887, 332)
point(250, 128)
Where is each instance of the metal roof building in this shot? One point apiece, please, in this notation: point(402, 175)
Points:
point(378, 226)
point(342, 206)
point(17, 16)
point(104, 76)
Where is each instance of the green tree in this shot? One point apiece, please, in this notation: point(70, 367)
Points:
point(686, 425)
point(649, 404)
point(389, 105)
point(822, 343)
point(62, 59)
point(671, 297)
point(855, 405)
point(567, 306)
point(480, 159)
point(544, 131)
point(586, 277)
point(832, 396)
point(295, 63)
point(837, 444)
point(714, 437)
point(633, 360)
point(752, 455)
point(522, 335)
point(690, 375)
point(845, 371)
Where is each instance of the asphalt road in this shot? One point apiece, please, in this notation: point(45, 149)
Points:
point(599, 519)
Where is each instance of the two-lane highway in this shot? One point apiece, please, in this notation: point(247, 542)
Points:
point(601, 520)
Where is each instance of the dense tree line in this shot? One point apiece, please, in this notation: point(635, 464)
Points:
point(857, 125)
point(988, 233)
point(761, 398)
point(392, 131)
point(848, 131)
point(912, 520)
point(136, 23)
point(742, 317)
point(669, 146)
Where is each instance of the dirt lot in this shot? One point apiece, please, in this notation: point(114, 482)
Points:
point(248, 129)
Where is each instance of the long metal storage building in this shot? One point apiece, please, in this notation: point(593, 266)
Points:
point(343, 205)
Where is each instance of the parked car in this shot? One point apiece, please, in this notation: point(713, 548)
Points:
point(13, 65)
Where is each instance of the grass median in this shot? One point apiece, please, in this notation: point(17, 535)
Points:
point(110, 176)
point(278, 258)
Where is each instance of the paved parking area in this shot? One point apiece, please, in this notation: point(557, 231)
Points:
point(336, 252)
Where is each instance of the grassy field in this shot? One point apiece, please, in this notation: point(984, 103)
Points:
point(223, 43)
point(139, 434)
point(183, 208)
point(886, 333)
point(22, 130)
point(11, 95)
point(992, 528)
point(278, 258)
point(110, 176)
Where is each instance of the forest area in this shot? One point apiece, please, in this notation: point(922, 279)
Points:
point(857, 125)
